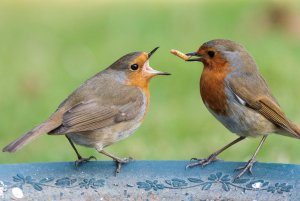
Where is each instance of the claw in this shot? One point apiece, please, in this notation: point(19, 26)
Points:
point(194, 159)
point(247, 168)
point(120, 162)
point(201, 162)
point(192, 164)
point(83, 160)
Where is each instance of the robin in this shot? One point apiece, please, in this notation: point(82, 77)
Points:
point(105, 109)
point(235, 92)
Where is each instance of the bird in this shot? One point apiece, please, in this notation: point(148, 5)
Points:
point(236, 94)
point(105, 109)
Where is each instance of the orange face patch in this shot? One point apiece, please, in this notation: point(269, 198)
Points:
point(137, 78)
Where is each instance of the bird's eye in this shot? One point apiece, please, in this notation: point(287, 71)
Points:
point(134, 67)
point(211, 54)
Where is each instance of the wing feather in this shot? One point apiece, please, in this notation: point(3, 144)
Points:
point(97, 113)
point(258, 97)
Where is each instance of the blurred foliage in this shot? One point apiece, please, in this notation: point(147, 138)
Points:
point(49, 48)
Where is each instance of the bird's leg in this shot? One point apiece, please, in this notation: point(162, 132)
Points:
point(119, 161)
point(80, 158)
point(213, 156)
point(250, 163)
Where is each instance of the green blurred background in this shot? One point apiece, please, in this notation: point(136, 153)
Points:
point(48, 48)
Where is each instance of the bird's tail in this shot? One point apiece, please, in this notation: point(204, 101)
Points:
point(31, 135)
point(295, 129)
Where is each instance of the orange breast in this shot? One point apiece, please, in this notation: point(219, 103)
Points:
point(212, 89)
point(143, 84)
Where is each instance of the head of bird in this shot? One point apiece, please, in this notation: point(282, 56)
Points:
point(134, 69)
point(221, 54)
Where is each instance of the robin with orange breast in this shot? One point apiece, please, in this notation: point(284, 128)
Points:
point(234, 91)
point(107, 108)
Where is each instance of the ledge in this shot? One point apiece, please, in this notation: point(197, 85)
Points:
point(148, 180)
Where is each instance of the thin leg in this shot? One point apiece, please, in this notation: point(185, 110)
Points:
point(80, 158)
point(250, 163)
point(119, 161)
point(73, 146)
point(213, 156)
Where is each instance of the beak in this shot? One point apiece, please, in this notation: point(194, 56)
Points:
point(150, 70)
point(194, 54)
point(152, 51)
point(154, 72)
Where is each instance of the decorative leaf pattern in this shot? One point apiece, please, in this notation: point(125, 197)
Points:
point(65, 182)
point(148, 185)
point(91, 183)
point(280, 188)
point(176, 183)
point(224, 181)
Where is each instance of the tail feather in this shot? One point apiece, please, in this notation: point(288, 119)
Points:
point(296, 129)
point(31, 135)
point(292, 130)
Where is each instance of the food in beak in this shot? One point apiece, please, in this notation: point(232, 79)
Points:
point(180, 54)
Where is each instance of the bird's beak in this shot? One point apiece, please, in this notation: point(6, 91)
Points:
point(152, 52)
point(199, 57)
point(152, 72)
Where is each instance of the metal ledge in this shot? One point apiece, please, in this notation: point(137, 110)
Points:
point(147, 180)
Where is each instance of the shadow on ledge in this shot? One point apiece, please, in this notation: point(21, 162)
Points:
point(148, 180)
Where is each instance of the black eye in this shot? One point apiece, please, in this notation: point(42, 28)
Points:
point(211, 54)
point(134, 66)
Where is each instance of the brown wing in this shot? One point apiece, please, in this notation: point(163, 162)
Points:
point(99, 113)
point(254, 91)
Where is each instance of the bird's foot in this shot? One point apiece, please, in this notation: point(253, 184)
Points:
point(83, 160)
point(202, 162)
point(120, 162)
point(247, 168)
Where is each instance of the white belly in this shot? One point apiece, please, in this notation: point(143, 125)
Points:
point(245, 122)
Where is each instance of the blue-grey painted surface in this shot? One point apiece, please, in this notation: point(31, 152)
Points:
point(147, 180)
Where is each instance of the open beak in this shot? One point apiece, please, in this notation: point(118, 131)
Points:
point(152, 52)
point(150, 70)
point(199, 57)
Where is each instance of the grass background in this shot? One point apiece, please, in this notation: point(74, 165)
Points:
point(47, 49)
